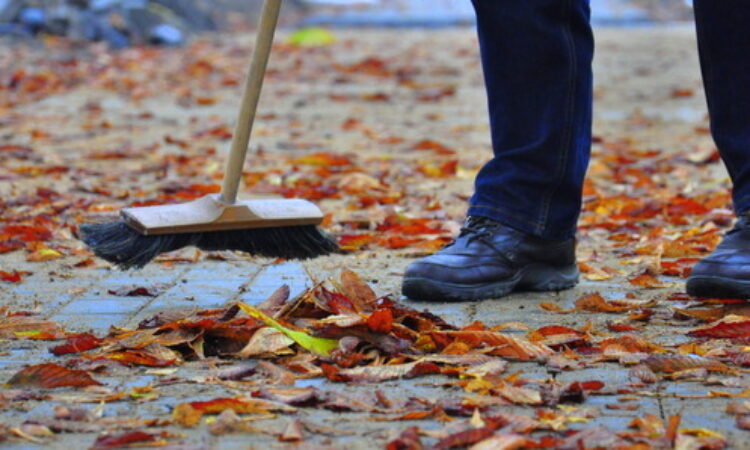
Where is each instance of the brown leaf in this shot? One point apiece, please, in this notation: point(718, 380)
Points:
point(502, 441)
point(357, 291)
point(465, 438)
point(47, 376)
point(644, 373)
point(677, 363)
point(275, 302)
point(743, 422)
point(374, 374)
point(20, 327)
point(293, 432)
point(122, 440)
point(139, 291)
point(408, 440)
point(506, 345)
point(266, 340)
point(518, 395)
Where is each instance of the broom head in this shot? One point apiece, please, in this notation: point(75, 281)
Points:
point(277, 228)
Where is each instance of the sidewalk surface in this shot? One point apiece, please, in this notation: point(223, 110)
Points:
point(407, 109)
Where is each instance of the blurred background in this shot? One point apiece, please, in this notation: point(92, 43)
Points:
point(122, 23)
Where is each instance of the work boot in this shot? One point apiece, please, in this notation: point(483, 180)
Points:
point(725, 273)
point(490, 260)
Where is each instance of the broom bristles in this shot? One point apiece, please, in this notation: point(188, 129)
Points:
point(125, 247)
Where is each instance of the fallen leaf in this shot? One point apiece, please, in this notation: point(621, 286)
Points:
point(506, 345)
point(266, 340)
point(374, 374)
point(730, 327)
point(76, 344)
point(677, 363)
point(293, 432)
point(189, 414)
point(48, 376)
point(321, 346)
point(123, 440)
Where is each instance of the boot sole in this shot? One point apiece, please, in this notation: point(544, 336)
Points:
point(531, 278)
point(717, 287)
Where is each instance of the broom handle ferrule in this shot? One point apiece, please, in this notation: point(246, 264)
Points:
point(250, 97)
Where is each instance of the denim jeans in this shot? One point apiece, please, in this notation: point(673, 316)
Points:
point(537, 56)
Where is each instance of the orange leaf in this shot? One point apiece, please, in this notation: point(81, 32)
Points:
point(507, 346)
point(646, 280)
point(381, 321)
point(596, 303)
point(323, 159)
point(189, 414)
point(437, 147)
point(353, 242)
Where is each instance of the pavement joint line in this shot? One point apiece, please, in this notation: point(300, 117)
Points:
point(174, 281)
point(72, 298)
point(243, 288)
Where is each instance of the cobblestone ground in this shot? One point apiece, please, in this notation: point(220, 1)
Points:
point(638, 70)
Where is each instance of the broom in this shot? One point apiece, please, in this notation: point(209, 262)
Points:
point(277, 228)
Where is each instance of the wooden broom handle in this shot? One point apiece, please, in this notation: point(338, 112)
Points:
point(250, 97)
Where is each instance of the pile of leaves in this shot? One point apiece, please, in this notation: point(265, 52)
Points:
point(342, 331)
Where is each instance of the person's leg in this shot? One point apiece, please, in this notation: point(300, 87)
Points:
point(724, 44)
point(520, 232)
point(536, 56)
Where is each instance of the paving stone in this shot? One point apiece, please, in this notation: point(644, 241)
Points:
point(272, 277)
point(110, 305)
point(98, 323)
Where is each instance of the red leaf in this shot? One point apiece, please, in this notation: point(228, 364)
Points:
point(122, 440)
point(729, 327)
point(381, 321)
point(76, 344)
point(47, 376)
point(337, 303)
point(25, 233)
point(10, 277)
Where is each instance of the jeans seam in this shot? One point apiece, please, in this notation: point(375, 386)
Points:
point(542, 224)
point(504, 211)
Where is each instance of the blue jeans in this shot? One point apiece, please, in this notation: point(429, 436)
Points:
point(537, 56)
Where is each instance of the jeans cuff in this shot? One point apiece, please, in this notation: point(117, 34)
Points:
point(520, 223)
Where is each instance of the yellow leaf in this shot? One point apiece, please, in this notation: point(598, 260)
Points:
point(321, 346)
point(312, 37)
point(701, 432)
point(44, 254)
